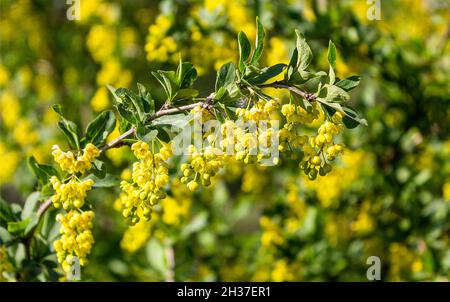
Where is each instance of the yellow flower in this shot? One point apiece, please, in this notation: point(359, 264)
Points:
point(75, 163)
point(10, 109)
point(136, 236)
point(10, 161)
point(100, 100)
point(101, 42)
point(113, 74)
point(281, 271)
point(24, 134)
point(4, 76)
point(446, 191)
point(201, 166)
point(76, 238)
point(150, 175)
point(174, 210)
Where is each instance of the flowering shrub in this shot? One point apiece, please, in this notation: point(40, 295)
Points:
point(235, 166)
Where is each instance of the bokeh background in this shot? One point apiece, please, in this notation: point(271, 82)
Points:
point(389, 195)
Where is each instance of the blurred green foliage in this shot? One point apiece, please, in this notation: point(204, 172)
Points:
point(389, 197)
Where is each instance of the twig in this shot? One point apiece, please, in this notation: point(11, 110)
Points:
point(170, 276)
point(206, 104)
point(306, 95)
point(118, 140)
point(44, 206)
point(174, 110)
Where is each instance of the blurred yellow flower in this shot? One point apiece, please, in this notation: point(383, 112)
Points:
point(136, 236)
point(100, 100)
point(4, 76)
point(175, 210)
point(10, 108)
point(10, 161)
point(24, 134)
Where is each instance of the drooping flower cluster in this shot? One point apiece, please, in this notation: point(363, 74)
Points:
point(150, 175)
point(201, 166)
point(72, 163)
point(204, 113)
point(252, 133)
point(76, 238)
point(321, 149)
point(70, 195)
point(296, 116)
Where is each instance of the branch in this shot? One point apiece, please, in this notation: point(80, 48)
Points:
point(44, 206)
point(280, 85)
point(170, 276)
point(175, 110)
point(118, 140)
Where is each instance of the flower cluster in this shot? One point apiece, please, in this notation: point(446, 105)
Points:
point(150, 175)
point(72, 163)
point(251, 133)
point(295, 116)
point(160, 47)
point(76, 239)
point(322, 144)
point(70, 195)
point(204, 113)
point(201, 166)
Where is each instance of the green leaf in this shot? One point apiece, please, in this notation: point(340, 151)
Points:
point(332, 62)
point(107, 182)
point(132, 102)
point(221, 95)
point(127, 115)
point(163, 135)
point(186, 93)
point(98, 130)
point(58, 109)
point(146, 134)
point(113, 92)
point(244, 50)
point(70, 131)
point(5, 236)
point(6, 213)
point(336, 94)
point(349, 83)
point(225, 76)
point(304, 52)
point(196, 224)
point(292, 67)
point(33, 221)
point(267, 73)
point(69, 128)
point(259, 45)
point(332, 55)
point(146, 98)
point(41, 171)
point(18, 227)
point(156, 256)
point(331, 107)
point(179, 120)
point(99, 169)
point(351, 119)
point(31, 205)
point(169, 81)
point(186, 74)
